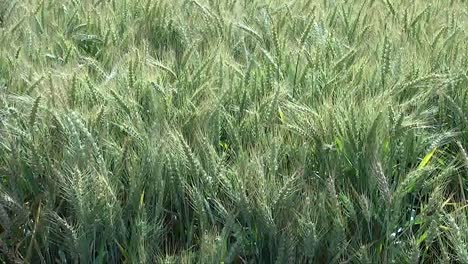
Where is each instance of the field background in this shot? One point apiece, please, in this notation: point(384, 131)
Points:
point(235, 131)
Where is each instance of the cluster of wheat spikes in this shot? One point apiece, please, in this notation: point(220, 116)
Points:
point(233, 131)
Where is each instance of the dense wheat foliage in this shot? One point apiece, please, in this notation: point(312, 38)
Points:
point(233, 131)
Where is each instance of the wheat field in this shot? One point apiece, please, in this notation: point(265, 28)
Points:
point(233, 131)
